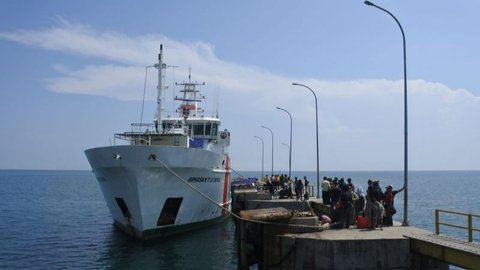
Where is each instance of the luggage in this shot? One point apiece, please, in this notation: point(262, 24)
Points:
point(362, 222)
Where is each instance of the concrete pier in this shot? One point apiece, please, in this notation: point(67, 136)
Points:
point(270, 237)
point(347, 249)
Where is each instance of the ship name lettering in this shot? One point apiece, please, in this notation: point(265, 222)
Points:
point(199, 179)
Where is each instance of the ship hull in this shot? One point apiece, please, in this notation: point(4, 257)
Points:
point(145, 191)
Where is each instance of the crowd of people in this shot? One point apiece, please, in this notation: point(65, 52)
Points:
point(373, 207)
point(348, 204)
point(285, 186)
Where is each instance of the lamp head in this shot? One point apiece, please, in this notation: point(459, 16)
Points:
point(368, 3)
point(293, 83)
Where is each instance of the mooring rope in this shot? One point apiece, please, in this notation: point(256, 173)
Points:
point(237, 172)
point(296, 226)
point(154, 157)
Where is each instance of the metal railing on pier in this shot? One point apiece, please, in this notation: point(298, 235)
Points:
point(311, 191)
point(469, 227)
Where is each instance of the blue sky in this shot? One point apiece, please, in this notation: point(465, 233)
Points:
point(72, 76)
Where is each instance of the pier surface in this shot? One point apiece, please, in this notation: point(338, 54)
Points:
point(386, 248)
point(386, 233)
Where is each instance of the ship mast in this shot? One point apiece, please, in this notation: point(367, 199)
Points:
point(190, 99)
point(160, 88)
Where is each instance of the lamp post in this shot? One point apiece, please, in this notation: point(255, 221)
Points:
point(316, 126)
point(262, 152)
point(290, 146)
point(405, 121)
point(272, 146)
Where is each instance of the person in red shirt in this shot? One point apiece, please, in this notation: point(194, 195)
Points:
point(388, 203)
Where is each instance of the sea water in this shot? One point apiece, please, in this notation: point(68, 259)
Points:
point(59, 220)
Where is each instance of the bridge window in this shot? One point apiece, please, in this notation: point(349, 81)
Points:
point(208, 128)
point(214, 129)
point(198, 129)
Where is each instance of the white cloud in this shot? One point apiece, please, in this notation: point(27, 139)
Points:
point(122, 82)
point(83, 40)
point(361, 121)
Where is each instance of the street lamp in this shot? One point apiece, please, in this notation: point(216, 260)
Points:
point(272, 146)
point(405, 168)
point(290, 146)
point(262, 152)
point(316, 125)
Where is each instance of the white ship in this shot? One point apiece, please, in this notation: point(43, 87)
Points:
point(155, 183)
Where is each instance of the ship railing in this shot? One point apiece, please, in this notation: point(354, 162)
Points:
point(134, 138)
point(143, 128)
point(469, 227)
point(139, 134)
